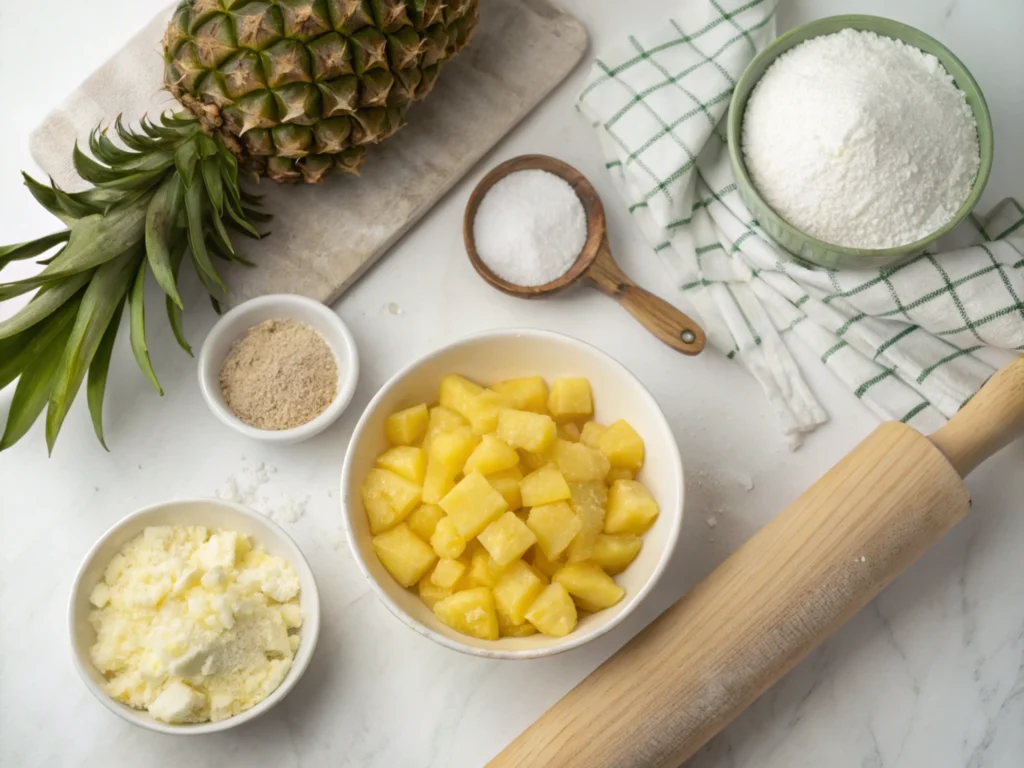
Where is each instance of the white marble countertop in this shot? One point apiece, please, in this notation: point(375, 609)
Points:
point(931, 674)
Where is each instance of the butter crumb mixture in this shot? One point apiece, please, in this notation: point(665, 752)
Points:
point(194, 625)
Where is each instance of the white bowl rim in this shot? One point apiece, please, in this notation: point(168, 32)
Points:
point(347, 355)
point(571, 641)
point(309, 633)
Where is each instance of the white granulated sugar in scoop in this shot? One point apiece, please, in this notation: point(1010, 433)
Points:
point(530, 227)
point(861, 140)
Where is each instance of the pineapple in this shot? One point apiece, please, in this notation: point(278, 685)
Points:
point(430, 593)
point(408, 426)
point(406, 461)
point(388, 498)
point(515, 592)
point(591, 433)
point(568, 430)
point(578, 462)
point(472, 505)
point(457, 392)
point(544, 486)
point(483, 571)
point(544, 565)
point(588, 502)
point(288, 89)
point(482, 411)
point(614, 553)
point(404, 554)
point(506, 629)
point(522, 429)
point(446, 540)
point(447, 572)
point(507, 539)
point(445, 460)
point(527, 394)
point(424, 519)
point(553, 611)
point(439, 421)
point(619, 473)
point(622, 445)
point(471, 612)
point(492, 455)
point(593, 589)
point(631, 508)
point(506, 483)
point(571, 400)
point(555, 526)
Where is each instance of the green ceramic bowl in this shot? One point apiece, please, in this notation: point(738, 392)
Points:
point(789, 237)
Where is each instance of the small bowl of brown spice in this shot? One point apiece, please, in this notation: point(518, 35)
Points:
point(280, 368)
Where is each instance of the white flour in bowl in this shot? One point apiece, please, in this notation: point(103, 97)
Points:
point(861, 140)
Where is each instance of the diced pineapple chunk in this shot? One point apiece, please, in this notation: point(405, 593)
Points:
point(593, 589)
point(483, 571)
point(492, 455)
point(441, 420)
point(405, 460)
point(530, 462)
point(622, 445)
point(570, 399)
point(555, 526)
point(430, 593)
point(408, 426)
point(615, 553)
point(568, 430)
point(515, 592)
point(506, 483)
point(522, 429)
point(528, 394)
point(553, 612)
point(507, 539)
point(456, 393)
point(631, 508)
point(473, 504)
point(446, 541)
point(578, 462)
point(506, 629)
point(388, 498)
point(591, 433)
point(619, 473)
point(543, 486)
point(543, 564)
point(445, 460)
point(423, 520)
point(447, 572)
point(470, 612)
point(482, 410)
point(588, 502)
point(405, 556)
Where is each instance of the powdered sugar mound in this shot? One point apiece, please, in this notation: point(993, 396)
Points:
point(530, 227)
point(861, 140)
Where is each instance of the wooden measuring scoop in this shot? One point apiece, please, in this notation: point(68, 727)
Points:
point(595, 264)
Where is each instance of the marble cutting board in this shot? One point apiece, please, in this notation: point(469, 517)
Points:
point(324, 238)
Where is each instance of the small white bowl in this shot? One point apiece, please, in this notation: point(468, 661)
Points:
point(214, 514)
point(487, 358)
point(232, 327)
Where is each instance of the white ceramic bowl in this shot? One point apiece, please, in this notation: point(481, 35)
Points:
point(491, 357)
point(233, 325)
point(212, 513)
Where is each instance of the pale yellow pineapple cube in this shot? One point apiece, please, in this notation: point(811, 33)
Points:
point(592, 588)
point(430, 593)
point(472, 505)
point(544, 486)
point(404, 554)
point(555, 526)
point(483, 571)
point(515, 592)
point(553, 612)
point(447, 572)
point(589, 501)
point(543, 564)
point(522, 429)
point(457, 392)
point(482, 410)
point(441, 420)
point(571, 399)
point(591, 433)
point(490, 456)
point(507, 629)
point(446, 540)
point(506, 483)
point(568, 430)
point(388, 498)
point(619, 473)
point(405, 460)
point(622, 445)
point(631, 508)
point(445, 459)
point(424, 519)
point(615, 553)
point(527, 394)
point(406, 427)
point(531, 462)
point(506, 539)
point(470, 612)
point(579, 463)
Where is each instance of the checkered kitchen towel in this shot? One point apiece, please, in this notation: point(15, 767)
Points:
point(914, 342)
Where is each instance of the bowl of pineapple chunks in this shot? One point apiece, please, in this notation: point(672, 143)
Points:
point(513, 495)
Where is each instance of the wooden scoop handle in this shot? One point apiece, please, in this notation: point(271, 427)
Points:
point(673, 327)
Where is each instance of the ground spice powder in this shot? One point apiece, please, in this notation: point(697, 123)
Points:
point(280, 375)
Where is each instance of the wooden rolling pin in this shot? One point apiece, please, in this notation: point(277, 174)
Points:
point(691, 672)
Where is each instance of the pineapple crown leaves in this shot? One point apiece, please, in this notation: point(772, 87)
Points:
point(168, 192)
